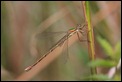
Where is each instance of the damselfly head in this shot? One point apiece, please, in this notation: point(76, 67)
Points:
point(78, 25)
point(82, 27)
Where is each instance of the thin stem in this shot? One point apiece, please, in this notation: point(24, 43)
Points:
point(90, 36)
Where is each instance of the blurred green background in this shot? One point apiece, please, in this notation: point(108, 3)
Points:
point(24, 22)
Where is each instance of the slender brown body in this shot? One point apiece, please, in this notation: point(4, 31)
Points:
point(59, 43)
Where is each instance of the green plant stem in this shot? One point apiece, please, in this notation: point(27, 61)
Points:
point(90, 36)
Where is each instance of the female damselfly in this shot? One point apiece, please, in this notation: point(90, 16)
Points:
point(78, 29)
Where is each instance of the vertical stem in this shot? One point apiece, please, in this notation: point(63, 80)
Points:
point(90, 36)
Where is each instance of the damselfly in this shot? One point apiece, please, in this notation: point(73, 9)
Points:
point(78, 30)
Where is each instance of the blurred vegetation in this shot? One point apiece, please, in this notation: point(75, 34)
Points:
point(24, 22)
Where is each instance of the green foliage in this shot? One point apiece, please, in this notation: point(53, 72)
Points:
point(117, 51)
point(117, 77)
point(98, 77)
point(94, 7)
point(5, 39)
point(105, 45)
point(113, 53)
point(101, 62)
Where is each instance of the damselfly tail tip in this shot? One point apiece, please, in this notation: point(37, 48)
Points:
point(28, 68)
